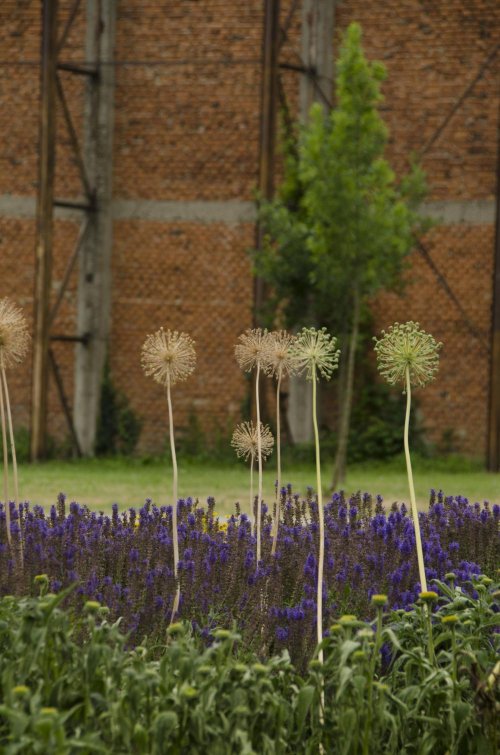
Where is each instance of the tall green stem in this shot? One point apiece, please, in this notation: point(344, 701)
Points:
point(259, 461)
point(416, 524)
point(321, 556)
point(278, 470)
point(13, 455)
point(252, 459)
point(175, 537)
point(5, 467)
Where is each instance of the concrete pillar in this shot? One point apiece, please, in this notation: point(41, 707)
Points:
point(315, 86)
point(94, 284)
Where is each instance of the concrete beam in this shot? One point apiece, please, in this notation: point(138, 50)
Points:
point(232, 211)
point(94, 284)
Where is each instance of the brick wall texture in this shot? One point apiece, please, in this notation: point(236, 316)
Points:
point(187, 115)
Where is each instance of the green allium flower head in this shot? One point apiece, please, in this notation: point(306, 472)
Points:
point(405, 346)
point(314, 350)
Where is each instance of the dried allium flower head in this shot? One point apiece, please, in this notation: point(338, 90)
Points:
point(406, 346)
point(168, 356)
point(244, 440)
point(252, 349)
point(14, 336)
point(280, 359)
point(316, 349)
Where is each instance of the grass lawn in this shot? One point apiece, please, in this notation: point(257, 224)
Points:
point(101, 482)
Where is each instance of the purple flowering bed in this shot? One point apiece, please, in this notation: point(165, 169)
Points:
point(125, 562)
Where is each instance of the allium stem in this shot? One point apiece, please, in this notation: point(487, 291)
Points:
point(278, 468)
point(175, 538)
point(259, 461)
point(252, 459)
point(5, 466)
point(13, 452)
point(416, 524)
point(321, 556)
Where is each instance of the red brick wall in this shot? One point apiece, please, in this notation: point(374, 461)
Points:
point(187, 117)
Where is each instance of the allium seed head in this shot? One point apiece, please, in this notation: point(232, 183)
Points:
point(279, 356)
point(252, 349)
point(14, 336)
point(168, 356)
point(406, 346)
point(244, 440)
point(314, 351)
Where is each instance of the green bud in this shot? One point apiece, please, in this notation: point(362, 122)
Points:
point(205, 670)
point(359, 655)
point(92, 606)
point(175, 628)
point(189, 692)
point(20, 690)
point(240, 668)
point(241, 710)
point(222, 634)
point(451, 619)
point(259, 668)
point(428, 597)
point(379, 600)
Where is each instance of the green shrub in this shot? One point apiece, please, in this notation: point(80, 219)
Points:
point(71, 685)
point(118, 427)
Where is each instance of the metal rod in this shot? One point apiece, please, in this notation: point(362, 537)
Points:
point(90, 207)
point(78, 70)
point(74, 139)
point(72, 339)
point(69, 269)
point(65, 403)
point(446, 286)
point(44, 230)
point(437, 133)
point(68, 25)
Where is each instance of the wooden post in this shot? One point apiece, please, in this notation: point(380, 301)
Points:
point(269, 99)
point(44, 230)
point(494, 404)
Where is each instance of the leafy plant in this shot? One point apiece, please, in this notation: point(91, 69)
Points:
point(71, 683)
point(118, 427)
point(341, 226)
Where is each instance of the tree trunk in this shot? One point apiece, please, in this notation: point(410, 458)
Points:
point(339, 466)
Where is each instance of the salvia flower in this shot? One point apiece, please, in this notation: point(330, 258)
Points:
point(314, 351)
point(405, 346)
point(14, 336)
point(252, 350)
point(168, 356)
point(244, 440)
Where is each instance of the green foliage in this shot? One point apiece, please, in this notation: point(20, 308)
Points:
point(341, 221)
point(118, 427)
point(71, 684)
